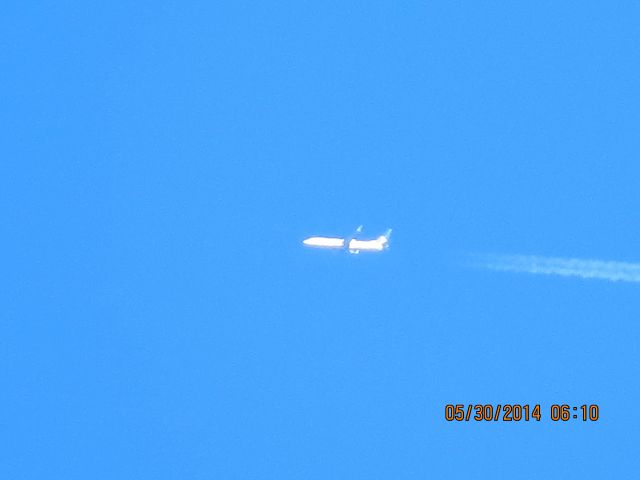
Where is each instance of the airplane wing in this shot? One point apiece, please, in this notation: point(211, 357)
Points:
point(347, 241)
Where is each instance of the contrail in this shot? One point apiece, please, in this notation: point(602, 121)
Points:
point(566, 267)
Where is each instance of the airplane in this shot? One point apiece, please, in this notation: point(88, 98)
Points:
point(351, 243)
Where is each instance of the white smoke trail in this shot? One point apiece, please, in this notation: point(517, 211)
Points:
point(566, 267)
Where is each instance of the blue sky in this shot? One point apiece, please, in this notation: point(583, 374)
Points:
point(162, 162)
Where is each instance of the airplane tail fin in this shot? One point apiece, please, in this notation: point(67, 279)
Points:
point(384, 238)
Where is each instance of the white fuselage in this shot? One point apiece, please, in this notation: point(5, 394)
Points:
point(324, 242)
point(354, 245)
point(376, 245)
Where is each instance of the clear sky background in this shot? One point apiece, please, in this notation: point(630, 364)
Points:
point(162, 161)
